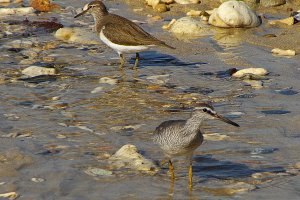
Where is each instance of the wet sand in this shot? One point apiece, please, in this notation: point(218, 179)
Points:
point(54, 128)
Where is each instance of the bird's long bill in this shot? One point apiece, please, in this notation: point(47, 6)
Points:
point(82, 13)
point(224, 119)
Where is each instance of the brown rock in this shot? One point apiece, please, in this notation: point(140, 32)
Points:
point(44, 5)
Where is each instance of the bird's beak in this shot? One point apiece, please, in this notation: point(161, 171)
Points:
point(224, 119)
point(82, 13)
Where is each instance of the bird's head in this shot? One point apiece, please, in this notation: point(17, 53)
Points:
point(94, 8)
point(206, 111)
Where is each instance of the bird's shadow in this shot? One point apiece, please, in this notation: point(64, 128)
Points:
point(154, 58)
point(205, 166)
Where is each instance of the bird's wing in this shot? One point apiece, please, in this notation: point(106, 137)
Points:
point(169, 124)
point(120, 30)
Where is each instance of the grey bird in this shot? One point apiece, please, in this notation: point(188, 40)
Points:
point(119, 33)
point(183, 137)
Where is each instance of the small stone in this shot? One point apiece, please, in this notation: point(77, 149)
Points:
point(77, 35)
point(194, 13)
point(161, 8)
point(297, 165)
point(29, 53)
point(271, 3)
point(37, 71)
point(60, 136)
point(17, 11)
point(255, 71)
point(97, 90)
point(128, 156)
point(254, 84)
point(37, 180)
point(93, 171)
point(138, 9)
point(257, 151)
point(44, 5)
point(19, 44)
point(282, 52)
point(108, 80)
point(187, 26)
point(215, 136)
point(10, 195)
point(230, 189)
point(287, 21)
point(152, 3)
point(159, 79)
point(184, 2)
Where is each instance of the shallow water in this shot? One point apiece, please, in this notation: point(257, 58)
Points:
point(61, 128)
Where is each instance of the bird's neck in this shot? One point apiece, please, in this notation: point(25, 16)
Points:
point(193, 124)
point(98, 19)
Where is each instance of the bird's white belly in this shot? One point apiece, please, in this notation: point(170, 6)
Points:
point(123, 48)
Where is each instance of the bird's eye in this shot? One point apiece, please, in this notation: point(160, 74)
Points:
point(204, 110)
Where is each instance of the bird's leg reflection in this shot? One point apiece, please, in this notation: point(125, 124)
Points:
point(122, 74)
point(191, 173)
point(122, 61)
point(171, 170)
point(136, 63)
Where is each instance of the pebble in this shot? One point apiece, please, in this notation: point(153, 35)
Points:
point(97, 90)
point(195, 13)
point(271, 3)
point(230, 189)
point(19, 44)
point(44, 5)
point(127, 156)
point(159, 79)
point(93, 171)
point(30, 54)
point(107, 80)
point(187, 1)
point(77, 35)
point(283, 52)
point(287, 21)
point(297, 165)
point(152, 3)
point(234, 14)
point(188, 25)
point(215, 136)
point(254, 83)
point(16, 11)
point(37, 180)
point(161, 7)
point(254, 71)
point(37, 71)
point(10, 195)
point(257, 151)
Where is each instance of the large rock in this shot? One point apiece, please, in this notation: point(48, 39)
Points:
point(189, 26)
point(77, 35)
point(234, 14)
point(270, 3)
point(37, 71)
point(127, 156)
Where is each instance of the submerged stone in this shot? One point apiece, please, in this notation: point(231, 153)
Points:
point(37, 71)
point(128, 157)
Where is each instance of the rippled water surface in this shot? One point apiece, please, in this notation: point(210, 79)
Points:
point(54, 127)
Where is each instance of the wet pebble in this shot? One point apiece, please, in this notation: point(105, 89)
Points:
point(77, 35)
point(98, 90)
point(257, 151)
point(10, 195)
point(188, 25)
point(127, 156)
point(127, 127)
point(229, 188)
point(184, 2)
point(215, 136)
point(107, 80)
point(161, 7)
point(254, 84)
point(30, 54)
point(234, 114)
point(19, 44)
point(93, 171)
point(271, 3)
point(16, 11)
point(254, 71)
point(37, 180)
point(297, 165)
point(283, 52)
point(159, 79)
point(37, 71)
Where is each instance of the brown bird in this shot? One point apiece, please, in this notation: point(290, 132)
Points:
point(119, 33)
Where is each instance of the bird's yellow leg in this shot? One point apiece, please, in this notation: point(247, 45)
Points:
point(122, 60)
point(191, 176)
point(171, 170)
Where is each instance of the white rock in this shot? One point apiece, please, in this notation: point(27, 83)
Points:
point(37, 71)
point(108, 80)
point(16, 11)
point(255, 71)
point(97, 90)
point(282, 52)
point(128, 156)
point(234, 14)
point(152, 3)
point(190, 26)
point(187, 1)
point(159, 79)
point(19, 44)
point(77, 35)
point(5, 1)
